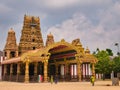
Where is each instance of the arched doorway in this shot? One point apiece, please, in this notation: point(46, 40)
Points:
point(62, 62)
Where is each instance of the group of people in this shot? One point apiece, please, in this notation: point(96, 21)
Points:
point(52, 79)
point(55, 79)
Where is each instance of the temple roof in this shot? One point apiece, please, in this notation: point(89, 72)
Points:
point(12, 60)
point(89, 58)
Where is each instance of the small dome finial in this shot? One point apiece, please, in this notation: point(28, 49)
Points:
point(50, 34)
point(11, 30)
point(87, 51)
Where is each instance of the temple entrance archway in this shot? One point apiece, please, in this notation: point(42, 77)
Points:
point(62, 61)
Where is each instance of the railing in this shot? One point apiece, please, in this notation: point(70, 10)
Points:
point(13, 78)
point(34, 78)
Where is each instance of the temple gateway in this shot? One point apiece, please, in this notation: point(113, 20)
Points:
point(31, 58)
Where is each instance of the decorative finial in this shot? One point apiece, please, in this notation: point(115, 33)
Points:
point(11, 30)
point(87, 51)
point(50, 34)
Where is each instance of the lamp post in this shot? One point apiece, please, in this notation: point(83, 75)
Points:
point(117, 44)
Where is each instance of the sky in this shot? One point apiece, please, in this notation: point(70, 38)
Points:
point(95, 22)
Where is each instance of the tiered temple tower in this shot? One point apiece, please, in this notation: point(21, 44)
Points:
point(11, 48)
point(31, 37)
point(50, 39)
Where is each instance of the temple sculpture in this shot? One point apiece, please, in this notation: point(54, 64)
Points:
point(31, 58)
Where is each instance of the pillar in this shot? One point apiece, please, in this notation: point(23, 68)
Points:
point(45, 71)
point(11, 71)
point(79, 71)
point(18, 71)
point(35, 68)
point(27, 72)
point(56, 69)
point(93, 69)
point(66, 68)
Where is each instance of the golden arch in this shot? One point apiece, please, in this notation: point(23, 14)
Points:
point(62, 42)
point(45, 50)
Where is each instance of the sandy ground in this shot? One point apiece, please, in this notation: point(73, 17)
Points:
point(99, 85)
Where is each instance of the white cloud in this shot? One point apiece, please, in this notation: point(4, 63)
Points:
point(76, 27)
point(102, 36)
point(58, 4)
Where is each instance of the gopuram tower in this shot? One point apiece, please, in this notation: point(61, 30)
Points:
point(31, 37)
point(11, 48)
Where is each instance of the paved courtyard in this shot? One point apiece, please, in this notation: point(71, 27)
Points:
point(99, 85)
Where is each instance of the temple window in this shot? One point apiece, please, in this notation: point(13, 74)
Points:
point(12, 54)
point(5, 54)
point(33, 48)
point(33, 40)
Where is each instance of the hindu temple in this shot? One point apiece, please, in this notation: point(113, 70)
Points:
point(24, 62)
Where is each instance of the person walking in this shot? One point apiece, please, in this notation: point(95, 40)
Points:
point(56, 79)
point(51, 79)
point(92, 80)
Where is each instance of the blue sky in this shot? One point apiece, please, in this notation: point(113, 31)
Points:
point(95, 22)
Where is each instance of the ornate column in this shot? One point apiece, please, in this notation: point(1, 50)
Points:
point(45, 70)
point(66, 68)
point(79, 62)
point(35, 68)
point(11, 71)
point(45, 58)
point(18, 71)
point(93, 69)
point(79, 71)
point(27, 71)
point(56, 69)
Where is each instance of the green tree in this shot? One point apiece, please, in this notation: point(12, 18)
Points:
point(116, 67)
point(104, 64)
point(109, 52)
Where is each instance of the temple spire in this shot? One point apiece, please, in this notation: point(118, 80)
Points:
point(11, 48)
point(31, 36)
point(50, 39)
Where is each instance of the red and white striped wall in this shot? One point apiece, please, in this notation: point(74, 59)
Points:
point(86, 70)
point(73, 70)
point(99, 76)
